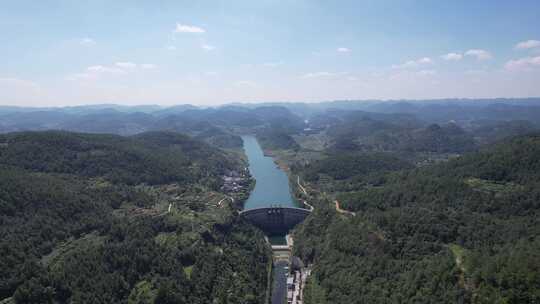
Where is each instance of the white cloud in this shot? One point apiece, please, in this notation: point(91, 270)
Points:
point(104, 69)
point(118, 68)
point(529, 44)
point(425, 60)
point(479, 54)
point(208, 47)
point(475, 72)
point(182, 28)
point(523, 63)
point(20, 92)
point(148, 66)
point(272, 64)
point(413, 63)
point(87, 42)
point(343, 50)
point(318, 75)
point(20, 83)
point(427, 72)
point(452, 57)
point(408, 64)
point(126, 65)
point(245, 83)
point(82, 76)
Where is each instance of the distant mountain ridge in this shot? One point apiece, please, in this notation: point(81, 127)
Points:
point(101, 218)
point(152, 158)
point(461, 231)
point(380, 123)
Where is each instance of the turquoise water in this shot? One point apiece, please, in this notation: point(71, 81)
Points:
point(272, 186)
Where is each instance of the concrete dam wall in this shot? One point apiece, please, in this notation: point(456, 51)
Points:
point(275, 220)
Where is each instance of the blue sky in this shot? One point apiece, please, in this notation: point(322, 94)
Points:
point(214, 52)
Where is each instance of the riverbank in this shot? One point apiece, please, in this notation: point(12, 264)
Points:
point(271, 187)
point(272, 183)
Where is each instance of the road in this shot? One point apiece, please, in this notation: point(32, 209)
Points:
point(342, 211)
point(221, 201)
point(305, 192)
point(279, 286)
point(338, 208)
point(301, 187)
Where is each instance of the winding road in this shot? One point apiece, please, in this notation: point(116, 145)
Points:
point(221, 201)
point(311, 208)
point(342, 211)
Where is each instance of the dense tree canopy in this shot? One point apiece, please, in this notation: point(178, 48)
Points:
point(462, 231)
point(153, 158)
point(83, 219)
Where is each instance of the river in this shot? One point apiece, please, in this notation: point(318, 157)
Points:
point(272, 184)
point(271, 188)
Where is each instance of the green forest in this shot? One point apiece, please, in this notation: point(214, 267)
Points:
point(462, 231)
point(84, 219)
point(405, 211)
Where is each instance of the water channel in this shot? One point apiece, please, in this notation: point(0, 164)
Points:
point(271, 188)
point(272, 184)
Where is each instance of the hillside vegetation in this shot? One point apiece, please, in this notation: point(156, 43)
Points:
point(153, 158)
point(85, 219)
point(464, 231)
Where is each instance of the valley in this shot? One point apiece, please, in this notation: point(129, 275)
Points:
point(87, 230)
point(394, 209)
point(270, 152)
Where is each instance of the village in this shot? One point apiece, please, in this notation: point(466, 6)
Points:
point(296, 281)
point(234, 181)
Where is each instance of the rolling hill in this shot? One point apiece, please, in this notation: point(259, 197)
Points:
point(96, 218)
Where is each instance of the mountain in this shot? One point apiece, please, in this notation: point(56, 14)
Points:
point(90, 109)
point(461, 231)
point(38, 120)
point(463, 111)
point(96, 218)
point(363, 131)
point(430, 110)
point(491, 131)
point(276, 140)
point(173, 110)
point(151, 158)
point(110, 121)
point(287, 118)
point(441, 139)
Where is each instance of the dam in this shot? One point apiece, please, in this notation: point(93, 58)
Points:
point(272, 208)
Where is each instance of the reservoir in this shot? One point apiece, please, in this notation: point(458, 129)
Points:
point(271, 188)
point(272, 184)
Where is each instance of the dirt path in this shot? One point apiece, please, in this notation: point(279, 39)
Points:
point(338, 209)
point(458, 253)
point(221, 201)
point(311, 208)
point(301, 187)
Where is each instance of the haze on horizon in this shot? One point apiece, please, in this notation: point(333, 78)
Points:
point(61, 53)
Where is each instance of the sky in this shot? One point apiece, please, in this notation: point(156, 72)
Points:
point(58, 53)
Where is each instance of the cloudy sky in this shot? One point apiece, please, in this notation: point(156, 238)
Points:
point(212, 52)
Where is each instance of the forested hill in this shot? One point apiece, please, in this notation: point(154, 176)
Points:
point(464, 231)
point(152, 158)
point(109, 219)
point(513, 160)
